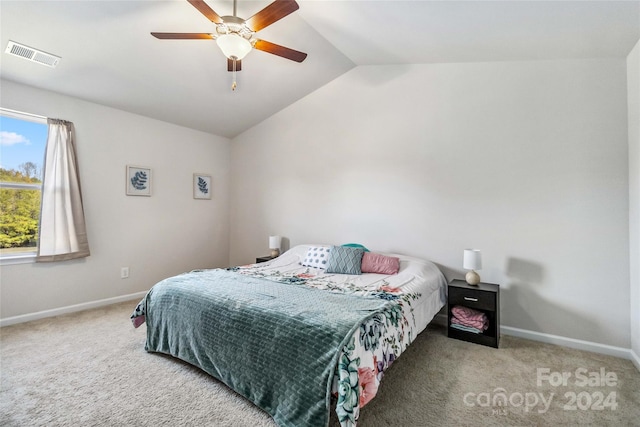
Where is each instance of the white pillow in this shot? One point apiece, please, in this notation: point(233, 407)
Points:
point(317, 257)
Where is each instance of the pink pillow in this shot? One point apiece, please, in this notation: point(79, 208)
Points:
point(377, 263)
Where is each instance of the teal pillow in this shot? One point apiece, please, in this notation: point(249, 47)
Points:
point(345, 260)
point(355, 245)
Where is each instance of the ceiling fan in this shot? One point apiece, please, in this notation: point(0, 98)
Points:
point(236, 36)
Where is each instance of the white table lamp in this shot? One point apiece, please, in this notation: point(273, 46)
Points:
point(274, 245)
point(472, 261)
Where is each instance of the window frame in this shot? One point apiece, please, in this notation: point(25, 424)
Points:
point(25, 257)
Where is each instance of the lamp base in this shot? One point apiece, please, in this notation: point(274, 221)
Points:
point(472, 278)
point(275, 253)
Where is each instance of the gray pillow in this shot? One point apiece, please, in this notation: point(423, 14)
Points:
point(345, 260)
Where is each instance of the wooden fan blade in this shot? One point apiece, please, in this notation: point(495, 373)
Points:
point(282, 51)
point(206, 11)
point(230, 65)
point(272, 13)
point(182, 36)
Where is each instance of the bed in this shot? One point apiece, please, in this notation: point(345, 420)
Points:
point(288, 336)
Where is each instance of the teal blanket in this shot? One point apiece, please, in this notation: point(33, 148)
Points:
point(277, 344)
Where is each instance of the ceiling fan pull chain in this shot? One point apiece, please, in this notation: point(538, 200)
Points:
point(234, 84)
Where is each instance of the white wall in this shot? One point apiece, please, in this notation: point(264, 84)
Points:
point(156, 236)
point(526, 161)
point(633, 90)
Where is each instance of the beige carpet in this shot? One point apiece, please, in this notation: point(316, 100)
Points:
point(90, 369)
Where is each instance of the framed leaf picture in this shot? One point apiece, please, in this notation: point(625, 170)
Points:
point(138, 181)
point(201, 186)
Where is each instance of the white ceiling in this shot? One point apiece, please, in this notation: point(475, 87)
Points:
point(109, 57)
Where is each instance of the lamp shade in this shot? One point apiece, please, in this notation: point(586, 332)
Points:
point(233, 46)
point(274, 242)
point(472, 259)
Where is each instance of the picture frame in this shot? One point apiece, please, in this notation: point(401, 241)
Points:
point(202, 186)
point(138, 181)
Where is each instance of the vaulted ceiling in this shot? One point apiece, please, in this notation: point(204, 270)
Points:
point(109, 57)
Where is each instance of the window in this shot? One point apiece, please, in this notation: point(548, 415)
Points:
point(23, 139)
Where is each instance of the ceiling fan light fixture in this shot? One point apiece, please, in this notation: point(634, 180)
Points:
point(234, 46)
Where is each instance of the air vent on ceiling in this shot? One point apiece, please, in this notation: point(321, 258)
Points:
point(32, 54)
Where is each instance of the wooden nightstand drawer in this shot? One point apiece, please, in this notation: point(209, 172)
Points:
point(472, 298)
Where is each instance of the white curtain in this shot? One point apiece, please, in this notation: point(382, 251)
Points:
point(62, 233)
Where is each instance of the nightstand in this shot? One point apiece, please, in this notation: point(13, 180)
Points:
point(486, 298)
point(265, 259)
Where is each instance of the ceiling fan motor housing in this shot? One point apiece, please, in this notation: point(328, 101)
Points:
point(234, 25)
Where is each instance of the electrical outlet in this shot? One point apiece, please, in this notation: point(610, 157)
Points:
point(124, 272)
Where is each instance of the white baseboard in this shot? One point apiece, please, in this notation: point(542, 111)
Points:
point(623, 353)
point(440, 319)
point(70, 309)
